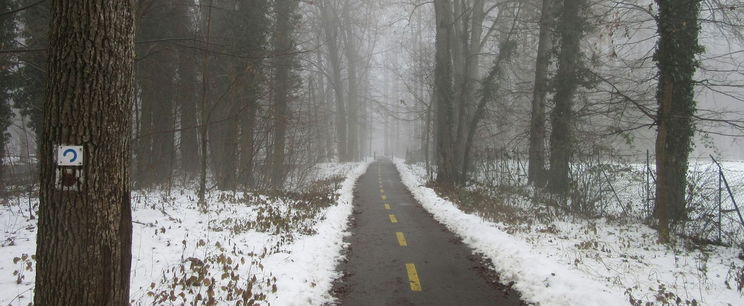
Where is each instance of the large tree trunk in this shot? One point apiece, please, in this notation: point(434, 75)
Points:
point(562, 121)
point(536, 172)
point(282, 86)
point(446, 173)
point(678, 29)
point(84, 237)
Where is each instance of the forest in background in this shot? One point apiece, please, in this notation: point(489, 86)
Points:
point(251, 94)
point(594, 116)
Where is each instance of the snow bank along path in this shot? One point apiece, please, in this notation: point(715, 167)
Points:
point(538, 279)
point(306, 274)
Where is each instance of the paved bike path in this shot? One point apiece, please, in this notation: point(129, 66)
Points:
point(399, 255)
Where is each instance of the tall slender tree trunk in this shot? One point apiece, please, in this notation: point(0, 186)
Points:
point(353, 92)
point(459, 52)
point(446, 173)
point(562, 118)
point(85, 235)
point(7, 40)
point(330, 25)
point(226, 179)
point(144, 178)
point(156, 76)
point(282, 86)
point(678, 28)
point(536, 172)
point(472, 50)
point(189, 145)
point(187, 95)
point(326, 140)
point(247, 142)
point(164, 119)
point(490, 90)
point(205, 113)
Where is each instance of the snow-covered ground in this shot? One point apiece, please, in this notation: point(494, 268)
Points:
point(616, 189)
point(579, 262)
point(272, 248)
point(266, 248)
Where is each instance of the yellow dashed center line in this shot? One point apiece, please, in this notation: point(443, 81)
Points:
point(413, 278)
point(393, 219)
point(401, 239)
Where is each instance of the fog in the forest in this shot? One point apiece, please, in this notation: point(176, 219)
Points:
point(354, 79)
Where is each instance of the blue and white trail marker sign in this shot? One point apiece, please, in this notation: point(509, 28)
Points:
point(69, 155)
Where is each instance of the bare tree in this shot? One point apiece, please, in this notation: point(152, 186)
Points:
point(446, 163)
point(571, 28)
point(330, 21)
point(537, 120)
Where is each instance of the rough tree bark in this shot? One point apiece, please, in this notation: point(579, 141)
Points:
point(678, 29)
point(562, 121)
point(536, 172)
point(84, 237)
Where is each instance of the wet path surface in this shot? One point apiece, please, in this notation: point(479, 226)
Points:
point(399, 255)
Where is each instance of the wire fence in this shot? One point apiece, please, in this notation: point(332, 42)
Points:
point(608, 186)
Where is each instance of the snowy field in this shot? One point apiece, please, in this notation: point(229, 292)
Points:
point(577, 262)
point(273, 249)
point(270, 249)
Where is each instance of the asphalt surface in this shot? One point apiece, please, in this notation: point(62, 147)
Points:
point(399, 255)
